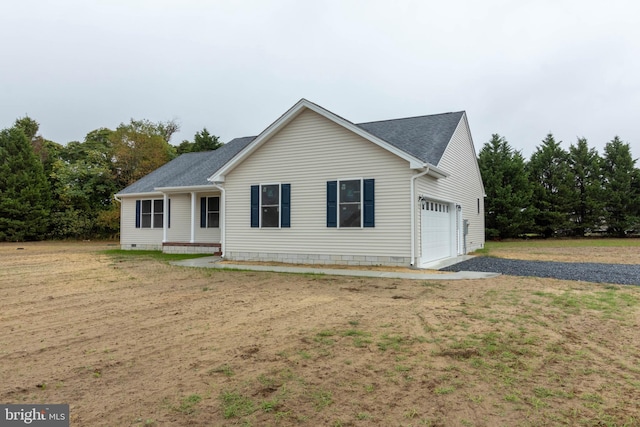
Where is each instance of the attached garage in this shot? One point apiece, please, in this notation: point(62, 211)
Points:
point(437, 225)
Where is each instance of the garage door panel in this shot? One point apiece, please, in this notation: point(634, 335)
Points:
point(436, 230)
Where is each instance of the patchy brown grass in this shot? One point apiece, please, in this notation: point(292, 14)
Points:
point(610, 251)
point(133, 341)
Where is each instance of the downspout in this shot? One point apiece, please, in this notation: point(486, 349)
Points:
point(413, 215)
point(223, 219)
point(115, 197)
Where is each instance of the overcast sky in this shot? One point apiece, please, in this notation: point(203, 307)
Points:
point(519, 68)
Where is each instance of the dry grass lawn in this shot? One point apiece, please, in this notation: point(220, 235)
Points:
point(133, 341)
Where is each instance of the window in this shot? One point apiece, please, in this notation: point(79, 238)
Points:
point(150, 213)
point(210, 212)
point(350, 203)
point(349, 211)
point(271, 206)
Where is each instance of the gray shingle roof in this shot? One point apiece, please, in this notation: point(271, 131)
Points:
point(424, 137)
point(189, 169)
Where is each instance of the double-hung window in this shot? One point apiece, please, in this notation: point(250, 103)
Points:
point(210, 212)
point(350, 203)
point(271, 206)
point(149, 213)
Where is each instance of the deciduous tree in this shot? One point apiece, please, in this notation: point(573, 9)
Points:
point(139, 148)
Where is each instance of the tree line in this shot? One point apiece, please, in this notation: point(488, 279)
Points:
point(558, 192)
point(54, 191)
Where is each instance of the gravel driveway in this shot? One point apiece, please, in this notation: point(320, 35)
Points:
point(623, 274)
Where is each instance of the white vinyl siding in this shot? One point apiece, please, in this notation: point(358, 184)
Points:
point(307, 153)
point(129, 234)
point(180, 214)
point(180, 230)
point(463, 186)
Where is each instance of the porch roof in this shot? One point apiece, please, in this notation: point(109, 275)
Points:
point(188, 170)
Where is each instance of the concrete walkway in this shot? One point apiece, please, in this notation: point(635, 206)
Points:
point(214, 262)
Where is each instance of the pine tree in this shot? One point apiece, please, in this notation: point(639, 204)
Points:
point(202, 141)
point(585, 203)
point(549, 175)
point(24, 190)
point(621, 192)
point(508, 190)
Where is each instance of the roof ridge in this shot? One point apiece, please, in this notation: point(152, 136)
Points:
point(411, 117)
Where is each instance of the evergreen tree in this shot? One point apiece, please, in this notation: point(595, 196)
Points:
point(549, 174)
point(508, 190)
point(24, 190)
point(621, 187)
point(47, 151)
point(29, 126)
point(202, 141)
point(585, 203)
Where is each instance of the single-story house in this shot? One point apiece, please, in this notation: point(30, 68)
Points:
point(316, 188)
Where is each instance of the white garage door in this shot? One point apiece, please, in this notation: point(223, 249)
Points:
point(436, 230)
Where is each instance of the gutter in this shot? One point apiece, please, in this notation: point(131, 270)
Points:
point(115, 197)
point(413, 214)
point(223, 219)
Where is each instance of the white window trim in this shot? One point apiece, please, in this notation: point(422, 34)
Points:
point(279, 184)
point(152, 214)
point(361, 202)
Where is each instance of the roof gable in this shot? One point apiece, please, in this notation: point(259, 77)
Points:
point(425, 137)
point(188, 170)
point(293, 112)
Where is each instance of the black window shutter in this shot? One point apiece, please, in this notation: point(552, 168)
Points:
point(285, 204)
point(138, 208)
point(203, 212)
point(169, 213)
point(332, 203)
point(255, 206)
point(369, 203)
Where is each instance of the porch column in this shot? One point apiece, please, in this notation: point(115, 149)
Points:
point(165, 217)
point(193, 217)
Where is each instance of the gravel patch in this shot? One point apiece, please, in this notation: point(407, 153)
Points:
point(622, 274)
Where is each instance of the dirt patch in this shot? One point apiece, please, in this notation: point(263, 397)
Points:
point(134, 342)
point(609, 255)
